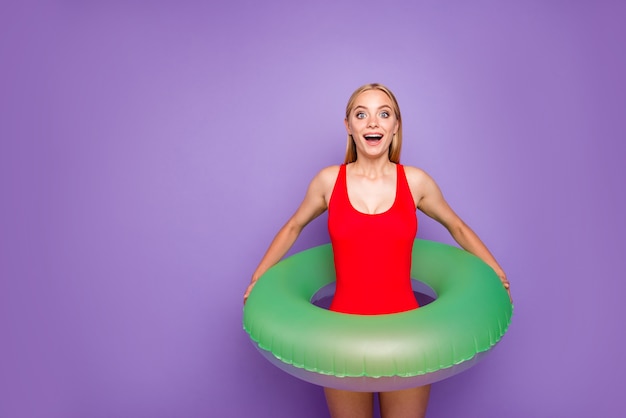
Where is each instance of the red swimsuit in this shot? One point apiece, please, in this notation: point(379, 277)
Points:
point(372, 252)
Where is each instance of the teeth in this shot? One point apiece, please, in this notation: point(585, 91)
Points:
point(373, 136)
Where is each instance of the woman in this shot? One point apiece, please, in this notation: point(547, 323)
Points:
point(371, 201)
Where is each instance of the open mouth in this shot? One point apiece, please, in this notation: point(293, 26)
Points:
point(373, 138)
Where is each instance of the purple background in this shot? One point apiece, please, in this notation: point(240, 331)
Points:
point(150, 151)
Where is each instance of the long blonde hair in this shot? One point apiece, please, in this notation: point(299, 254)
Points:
point(396, 143)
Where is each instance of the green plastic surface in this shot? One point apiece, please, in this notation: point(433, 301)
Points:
point(470, 315)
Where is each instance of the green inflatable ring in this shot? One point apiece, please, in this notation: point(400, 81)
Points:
point(375, 353)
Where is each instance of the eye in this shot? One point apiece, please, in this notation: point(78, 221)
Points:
point(360, 115)
point(384, 114)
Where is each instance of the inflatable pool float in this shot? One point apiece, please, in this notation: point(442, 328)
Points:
point(375, 353)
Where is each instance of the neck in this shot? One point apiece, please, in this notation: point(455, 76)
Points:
point(373, 167)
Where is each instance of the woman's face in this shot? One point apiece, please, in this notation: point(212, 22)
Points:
point(372, 123)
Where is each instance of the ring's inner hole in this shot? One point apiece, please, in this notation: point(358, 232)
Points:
point(423, 293)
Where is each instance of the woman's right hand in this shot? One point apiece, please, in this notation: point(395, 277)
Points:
point(248, 290)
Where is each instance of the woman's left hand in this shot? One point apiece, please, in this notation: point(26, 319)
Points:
point(505, 283)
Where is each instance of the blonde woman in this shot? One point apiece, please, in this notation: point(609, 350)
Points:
point(371, 201)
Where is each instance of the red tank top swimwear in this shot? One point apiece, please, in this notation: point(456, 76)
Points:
point(372, 253)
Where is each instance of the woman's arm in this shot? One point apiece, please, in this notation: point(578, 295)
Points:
point(313, 205)
point(430, 200)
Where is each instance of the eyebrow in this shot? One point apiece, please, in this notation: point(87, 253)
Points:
point(363, 107)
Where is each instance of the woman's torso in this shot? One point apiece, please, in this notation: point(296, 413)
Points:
point(372, 252)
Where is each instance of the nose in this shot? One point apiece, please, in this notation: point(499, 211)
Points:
point(372, 122)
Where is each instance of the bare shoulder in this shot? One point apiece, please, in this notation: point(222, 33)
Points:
point(416, 176)
point(330, 171)
point(321, 187)
point(326, 177)
point(420, 183)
